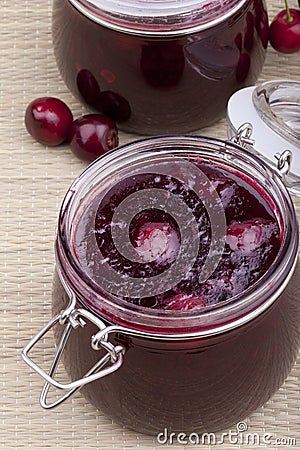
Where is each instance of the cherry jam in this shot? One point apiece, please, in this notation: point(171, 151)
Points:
point(251, 243)
point(155, 83)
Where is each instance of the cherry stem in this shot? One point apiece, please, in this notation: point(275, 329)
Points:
point(289, 18)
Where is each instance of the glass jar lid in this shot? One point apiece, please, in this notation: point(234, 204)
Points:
point(157, 17)
point(272, 109)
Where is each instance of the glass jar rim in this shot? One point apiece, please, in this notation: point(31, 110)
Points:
point(275, 98)
point(212, 320)
point(158, 18)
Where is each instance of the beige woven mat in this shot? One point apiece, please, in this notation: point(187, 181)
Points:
point(33, 180)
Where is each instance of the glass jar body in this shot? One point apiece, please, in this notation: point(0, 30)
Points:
point(158, 85)
point(184, 371)
point(199, 385)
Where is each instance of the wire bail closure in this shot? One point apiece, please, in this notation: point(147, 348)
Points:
point(72, 318)
point(284, 161)
point(243, 137)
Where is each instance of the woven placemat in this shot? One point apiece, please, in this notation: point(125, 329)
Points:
point(33, 181)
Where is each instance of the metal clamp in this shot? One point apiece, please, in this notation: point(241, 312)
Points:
point(110, 362)
point(284, 161)
point(243, 135)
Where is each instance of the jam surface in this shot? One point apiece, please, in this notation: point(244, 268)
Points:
point(155, 239)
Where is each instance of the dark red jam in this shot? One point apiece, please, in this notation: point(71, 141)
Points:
point(251, 242)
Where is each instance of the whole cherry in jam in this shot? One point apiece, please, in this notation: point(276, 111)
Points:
point(88, 86)
point(243, 67)
point(156, 241)
point(183, 302)
point(92, 135)
point(249, 32)
point(264, 29)
point(249, 235)
point(239, 41)
point(48, 120)
point(113, 106)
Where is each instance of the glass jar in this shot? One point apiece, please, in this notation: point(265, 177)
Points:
point(159, 67)
point(154, 369)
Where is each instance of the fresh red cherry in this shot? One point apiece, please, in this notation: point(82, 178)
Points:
point(48, 119)
point(92, 135)
point(113, 106)
point(285, 31)
point(183, 302)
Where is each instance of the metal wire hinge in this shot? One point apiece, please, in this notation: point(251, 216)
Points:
point(284, 161)
point(243, 135)
point(71, 320)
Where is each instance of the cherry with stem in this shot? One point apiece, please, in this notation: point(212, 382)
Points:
point(285, 30)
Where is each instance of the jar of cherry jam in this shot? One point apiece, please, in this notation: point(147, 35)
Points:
point(176, 296)
point(159, 67)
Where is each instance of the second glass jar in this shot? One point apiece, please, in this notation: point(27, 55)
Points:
point(171, 72)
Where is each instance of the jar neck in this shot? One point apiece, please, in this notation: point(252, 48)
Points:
point(213, 319)
point(156, 18)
